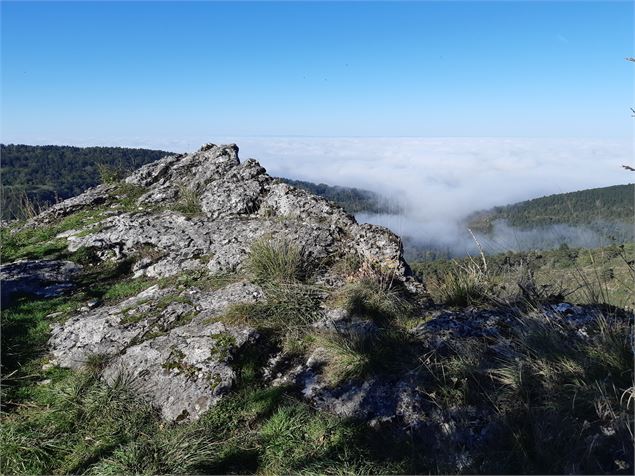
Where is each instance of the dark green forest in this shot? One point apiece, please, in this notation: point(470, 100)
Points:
point(585, 207)
point(47, 174)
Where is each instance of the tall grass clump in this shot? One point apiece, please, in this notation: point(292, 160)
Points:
point(354, 355)
point(375, 295)
point(188, 203)
point(275, 261)
point(287, 305)
point(180, 450)
point(466, 284)
point(70, 423)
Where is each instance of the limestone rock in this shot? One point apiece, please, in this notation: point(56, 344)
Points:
point(167, 343)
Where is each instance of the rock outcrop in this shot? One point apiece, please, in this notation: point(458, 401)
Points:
point(232, 204)
point(198, 213)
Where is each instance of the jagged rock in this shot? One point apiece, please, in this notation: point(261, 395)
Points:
point(201, 213)
point(90, 198)
point(239, 203)
point(166, 342)
point(40, 278)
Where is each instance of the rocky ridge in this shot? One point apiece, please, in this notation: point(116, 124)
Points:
point(186, 225)
point(165, 339)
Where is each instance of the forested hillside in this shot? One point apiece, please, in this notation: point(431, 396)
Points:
point(607, 204)
point(50, 173)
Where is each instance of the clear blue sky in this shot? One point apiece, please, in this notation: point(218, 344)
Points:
point(147, 73)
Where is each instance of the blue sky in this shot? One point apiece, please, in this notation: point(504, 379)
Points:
point(156, 74)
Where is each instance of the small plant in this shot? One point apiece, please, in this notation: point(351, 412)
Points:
point(108, 173)
point(466, 285)
point(188, 203)
point(276, 261)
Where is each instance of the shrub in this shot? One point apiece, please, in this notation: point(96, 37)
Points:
point(109, 173)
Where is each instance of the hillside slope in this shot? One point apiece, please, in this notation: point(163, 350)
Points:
point(200, 316)
point(584, 207)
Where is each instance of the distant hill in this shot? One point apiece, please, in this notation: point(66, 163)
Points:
point(47, 174)
point(50, 173)
point(585, 207)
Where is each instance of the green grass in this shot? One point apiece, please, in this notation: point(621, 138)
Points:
point(287, 306)
point(188, 203)
point(36, 242)
point(275, 261)
point(355, 355)
point(375, 299)
point(127, 288)
point(467, 285)
point(599, 276)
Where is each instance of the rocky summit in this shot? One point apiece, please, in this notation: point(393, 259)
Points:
point(199, 213)
point(198, 270)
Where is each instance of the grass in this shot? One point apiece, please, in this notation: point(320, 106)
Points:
point(287, 306)
point(189, 203)
point(467, 284)
point(375, 299)
point(275, 261)
point(569, 388)
point(599, 276)
point(39, 242)
point(356, 355)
